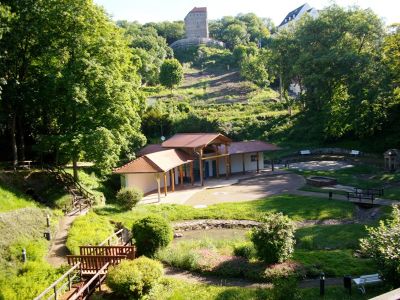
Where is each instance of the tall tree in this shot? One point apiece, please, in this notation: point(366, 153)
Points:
point(171, 73)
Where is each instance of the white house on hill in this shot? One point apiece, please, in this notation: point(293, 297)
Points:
point(296, 14)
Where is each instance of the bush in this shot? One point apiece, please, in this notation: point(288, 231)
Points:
point(134, 278)
point(245, 250)
point(129, 197)
point(382, 245)
point(151, 233)
point(274, 239)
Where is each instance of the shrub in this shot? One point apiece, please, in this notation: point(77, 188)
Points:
point(134, 278)
point(151, 233)
point(129, 197)
point(245, 250)
point(274, 239)
point(382, 244)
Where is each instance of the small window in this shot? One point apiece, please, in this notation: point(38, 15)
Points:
point(253, 157)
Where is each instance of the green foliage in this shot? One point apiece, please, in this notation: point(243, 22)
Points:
point(245, 250)
point(151, 233)
point(274, 239)
point(129, 197)
point(382, 246)
point(91, 229)
point(334, 263)
point(134, 278)
point(171, 73)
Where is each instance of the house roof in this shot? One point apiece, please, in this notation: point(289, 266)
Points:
point(293, 14)
point(251, 146)
point(161, 161)
point(199, 9)
point(195, 140)
point(151, 148)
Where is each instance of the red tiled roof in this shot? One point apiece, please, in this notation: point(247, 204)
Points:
point(156, 162)
point(199, 9)
point(194, 140)
point(151, 148)
point(250, 146)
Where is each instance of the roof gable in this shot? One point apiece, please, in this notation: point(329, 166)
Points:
point(195, 140)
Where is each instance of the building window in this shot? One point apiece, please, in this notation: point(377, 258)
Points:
point(253, 157)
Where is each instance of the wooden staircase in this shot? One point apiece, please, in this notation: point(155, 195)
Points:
point(81, 197)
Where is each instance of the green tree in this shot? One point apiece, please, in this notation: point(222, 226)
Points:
point(382, 244)
point(171, 73)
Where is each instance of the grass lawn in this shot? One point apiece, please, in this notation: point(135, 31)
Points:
point(334, 263)
point(330, 236)
point(11, 199)
point(297, 207)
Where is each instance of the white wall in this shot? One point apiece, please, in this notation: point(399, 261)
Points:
point(237, 163)
point(147, 181)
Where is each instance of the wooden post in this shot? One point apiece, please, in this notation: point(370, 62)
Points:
point(165, 183)
point(181, 174)
point(172, 175)
point(201, 167)
point(258, 162)
point(191, 173)
point(272, 165)
point(243, 164)
point(158, 186)
point(226, 162)
point(217, 166)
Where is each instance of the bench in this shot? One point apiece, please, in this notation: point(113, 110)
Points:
point(359, 197)
point(364, 280)
point(305, 152)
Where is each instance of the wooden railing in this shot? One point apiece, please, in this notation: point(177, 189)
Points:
point(92, 284)
point(118, 235)
point(70, 275)
point(129, 251)
point(91, 264)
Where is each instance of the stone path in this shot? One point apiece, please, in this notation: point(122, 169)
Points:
point(58, 250)
point(237, 282)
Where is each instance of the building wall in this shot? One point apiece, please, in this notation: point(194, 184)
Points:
point(237, 163)
point(147, 181)
point(196, 25)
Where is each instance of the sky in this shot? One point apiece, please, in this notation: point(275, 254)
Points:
point(145, 11)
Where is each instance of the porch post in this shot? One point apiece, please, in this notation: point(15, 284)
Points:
point(217, 166)
point(272, 165)
point(165, 183)
point(201, 167)
point(258, 163)
point(227, 167)
point(191, 173)
point(243, 165)
point(158, 186)
point(181, 174)
point(172, 175)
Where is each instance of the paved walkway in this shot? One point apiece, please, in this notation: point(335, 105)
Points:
point(58, 250)
point(215, 280)
point(240, 187)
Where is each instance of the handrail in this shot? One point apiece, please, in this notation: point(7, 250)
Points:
point(57, 281)
point(87, 285)
point(111, 236)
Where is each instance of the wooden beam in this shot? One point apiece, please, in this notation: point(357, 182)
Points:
point(201, 167)
point(172, 175)
point(158, 186)
point(191, 173)
point(226, 162)
point(214, 156)
point(181, 173)
point(258, 163)
point(243, 164)
point(165, 183)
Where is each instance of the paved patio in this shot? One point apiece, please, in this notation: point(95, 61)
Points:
point(240, 187)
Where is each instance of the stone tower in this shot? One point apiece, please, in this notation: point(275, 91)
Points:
point(196, 23)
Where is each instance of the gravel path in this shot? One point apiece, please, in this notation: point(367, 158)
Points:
point(58, 250)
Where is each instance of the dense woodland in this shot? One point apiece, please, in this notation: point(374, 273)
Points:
point(74, 83)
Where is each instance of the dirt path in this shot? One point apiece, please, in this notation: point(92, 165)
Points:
point(214, 280)
point(58, 249)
